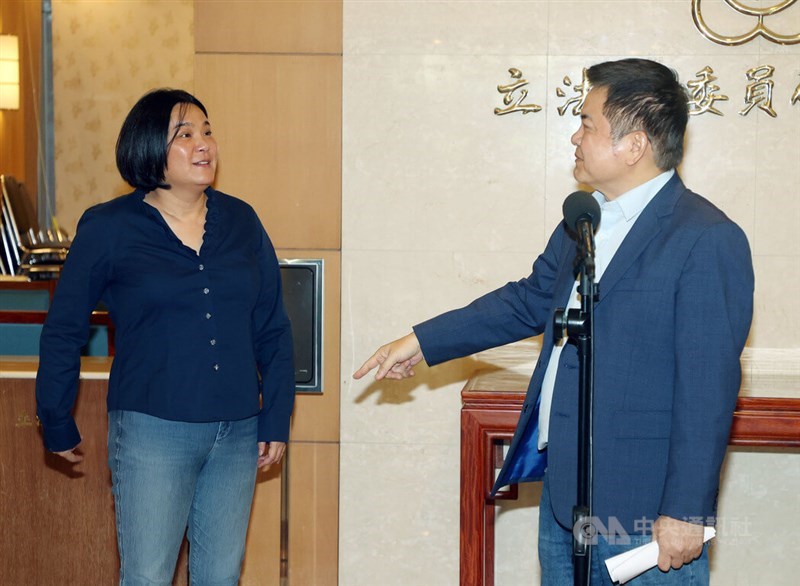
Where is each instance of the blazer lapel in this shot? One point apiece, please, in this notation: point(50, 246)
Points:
point(566, 274)
point(647, 226)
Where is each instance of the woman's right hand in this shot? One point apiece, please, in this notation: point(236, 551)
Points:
point(70, 455)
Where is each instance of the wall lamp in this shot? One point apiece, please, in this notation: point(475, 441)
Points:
point(9, 72)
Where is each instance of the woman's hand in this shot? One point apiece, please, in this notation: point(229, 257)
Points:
point(270, 453)
point(70, 455)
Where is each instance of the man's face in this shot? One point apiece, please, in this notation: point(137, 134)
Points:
point(598, 161)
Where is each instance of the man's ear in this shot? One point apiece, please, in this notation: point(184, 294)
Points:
point(638, 146)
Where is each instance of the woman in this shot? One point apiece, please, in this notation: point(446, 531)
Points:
point(193, 287)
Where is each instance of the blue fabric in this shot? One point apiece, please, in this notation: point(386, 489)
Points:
point(170, 475)
point(555, 555)
point(673, 314)
point(198, 337)
point(533, 462)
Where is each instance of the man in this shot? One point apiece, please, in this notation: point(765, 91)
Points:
point(673, 313)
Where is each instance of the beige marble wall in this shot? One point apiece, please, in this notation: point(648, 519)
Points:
point(443, 201)
point(106, 55)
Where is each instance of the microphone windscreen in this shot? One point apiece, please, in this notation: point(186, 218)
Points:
point(579, 205)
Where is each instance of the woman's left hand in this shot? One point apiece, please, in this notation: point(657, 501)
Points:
point(270, 453)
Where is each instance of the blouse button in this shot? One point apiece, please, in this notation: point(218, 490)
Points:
point(201, 267)
point(205, 291)
point(216, 367)
point(213, 342)
point(208, 316)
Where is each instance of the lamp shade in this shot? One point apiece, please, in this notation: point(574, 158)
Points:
point(9, 72)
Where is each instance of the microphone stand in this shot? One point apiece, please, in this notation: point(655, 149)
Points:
point(579, 327)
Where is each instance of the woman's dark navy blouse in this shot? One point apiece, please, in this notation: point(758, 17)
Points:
point(198, 337)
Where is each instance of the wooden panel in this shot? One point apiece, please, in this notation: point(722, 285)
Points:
point(58, 521)
point(313, 473)
point(262, 559)
point(316, 416)
point(278, 122)
point(25, 367)
point(268, 26)
point(313, 513)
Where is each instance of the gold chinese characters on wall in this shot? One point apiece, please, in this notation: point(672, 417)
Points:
point(513, 101)
point(704, 93)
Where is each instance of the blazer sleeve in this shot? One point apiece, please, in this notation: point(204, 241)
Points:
point(513, 312)
point(714, 308)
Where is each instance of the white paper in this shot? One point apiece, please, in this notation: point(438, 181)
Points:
point(626, 566)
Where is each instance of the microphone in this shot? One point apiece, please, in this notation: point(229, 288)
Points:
point(582, 214)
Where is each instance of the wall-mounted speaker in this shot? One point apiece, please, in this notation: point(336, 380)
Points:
point(302, 296)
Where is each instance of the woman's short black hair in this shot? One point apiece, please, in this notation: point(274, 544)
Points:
point(144, 138)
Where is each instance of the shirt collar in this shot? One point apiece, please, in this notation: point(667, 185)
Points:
point(632, 202)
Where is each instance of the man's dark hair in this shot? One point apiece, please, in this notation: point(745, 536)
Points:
point(645, 95)
point(144, 139)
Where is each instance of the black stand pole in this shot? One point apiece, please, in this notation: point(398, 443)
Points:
point(579, 327)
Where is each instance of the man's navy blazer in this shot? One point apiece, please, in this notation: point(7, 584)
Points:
point(671, 320)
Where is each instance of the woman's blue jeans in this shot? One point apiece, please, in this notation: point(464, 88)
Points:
point(168, 476)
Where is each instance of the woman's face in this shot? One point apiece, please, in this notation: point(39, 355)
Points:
point(192, 157)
